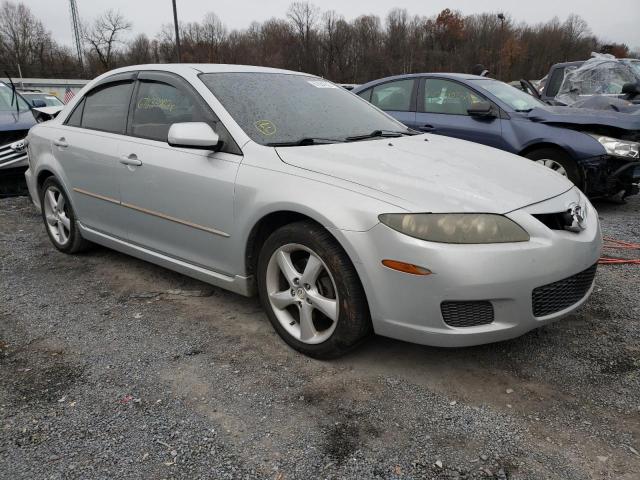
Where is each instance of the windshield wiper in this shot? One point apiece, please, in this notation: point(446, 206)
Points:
point(380, 133)
point(304, 141)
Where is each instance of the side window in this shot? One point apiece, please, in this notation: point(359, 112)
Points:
point(158, 105)
point(106, 108)
point(445, 96)
point(75, 119)
point(366, 94)
point(393, 96)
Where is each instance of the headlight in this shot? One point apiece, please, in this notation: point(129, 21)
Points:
point(619, 148)
point(456, 227)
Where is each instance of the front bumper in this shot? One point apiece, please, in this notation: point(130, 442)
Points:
point(409, 307)
point(606, 176)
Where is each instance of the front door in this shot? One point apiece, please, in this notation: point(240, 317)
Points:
point(442, 109)
point(177, 201)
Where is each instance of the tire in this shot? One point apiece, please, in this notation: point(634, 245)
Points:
point(557, 159)
point(301, 305)
point(61, 225)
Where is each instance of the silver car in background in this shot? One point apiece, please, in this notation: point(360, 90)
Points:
point(343, 220)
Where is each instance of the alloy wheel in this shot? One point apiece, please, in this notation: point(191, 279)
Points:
point(553, 165)
point(302, 293)
point(57, 215)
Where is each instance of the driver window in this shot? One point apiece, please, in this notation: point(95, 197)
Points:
point(445, 96)
point(158, 105)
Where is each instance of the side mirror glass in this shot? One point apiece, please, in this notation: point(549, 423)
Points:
point(481, 109)
point(37, 103)
point(193, 135)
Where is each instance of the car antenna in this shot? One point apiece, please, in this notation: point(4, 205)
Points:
point(13, 93)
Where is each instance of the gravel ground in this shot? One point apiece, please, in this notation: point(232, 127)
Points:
point(114, 368)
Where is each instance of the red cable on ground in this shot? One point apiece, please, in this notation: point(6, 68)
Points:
point(613, 244)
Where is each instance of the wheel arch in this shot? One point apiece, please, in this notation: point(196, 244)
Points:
point(265, 226)
point(540, 145)
point(271, 221)
point(42, 176)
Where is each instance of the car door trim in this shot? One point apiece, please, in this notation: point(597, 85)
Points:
point(197, 226)
point(96, 195)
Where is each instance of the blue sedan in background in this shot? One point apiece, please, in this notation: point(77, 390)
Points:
point(598, 150)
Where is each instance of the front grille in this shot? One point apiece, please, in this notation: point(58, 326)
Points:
point(559, 295)
point(555, 221)
point(10, 136)
point(467, 314)
point(8, 156)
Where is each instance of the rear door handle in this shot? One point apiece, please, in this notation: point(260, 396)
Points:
point(131, 160)
point(427, 128)
point(61, 142)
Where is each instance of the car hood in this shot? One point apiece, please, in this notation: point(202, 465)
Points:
point(430, 173)
point(12, 120)
point(586, 117)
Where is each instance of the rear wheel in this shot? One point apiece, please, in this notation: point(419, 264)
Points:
point(559, 161)
point(59, 218)
point(311, 291)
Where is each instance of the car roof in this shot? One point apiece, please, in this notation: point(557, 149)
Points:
point(454, 76)
point(204, 68)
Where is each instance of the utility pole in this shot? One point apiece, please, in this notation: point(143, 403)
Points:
point(502, 19)
point(75, 26)
point(175, 23)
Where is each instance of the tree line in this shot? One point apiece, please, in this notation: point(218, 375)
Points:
point(310, 40)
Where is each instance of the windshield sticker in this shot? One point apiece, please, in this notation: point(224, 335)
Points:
point(265, 127)
point(156, 102)
point(321, 84)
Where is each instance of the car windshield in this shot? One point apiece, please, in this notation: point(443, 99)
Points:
point(277, 108)
point(50, 100)
point(515, 98)
point(8, 100)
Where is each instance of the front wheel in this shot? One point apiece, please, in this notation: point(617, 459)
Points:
point(560, 162)
point(311, 291)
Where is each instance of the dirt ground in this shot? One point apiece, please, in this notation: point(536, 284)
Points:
point(111, 367)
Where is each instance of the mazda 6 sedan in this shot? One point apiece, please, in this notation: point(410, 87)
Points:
point(343, 220)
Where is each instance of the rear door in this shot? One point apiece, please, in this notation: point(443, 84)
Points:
point(178, 201)
point(397, 98)
point(442, 109)
point(87, 147)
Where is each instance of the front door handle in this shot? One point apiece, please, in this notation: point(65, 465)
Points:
point(61, 142)
point(131, 160)
point(427, 128)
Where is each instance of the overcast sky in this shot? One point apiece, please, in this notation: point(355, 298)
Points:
point(611, 20)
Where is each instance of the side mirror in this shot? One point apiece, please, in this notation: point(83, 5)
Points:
point(481, 109)
point(37, 103)
point(631, 89)
point(194, 135)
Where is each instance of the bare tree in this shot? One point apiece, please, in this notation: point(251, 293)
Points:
point(104, 35)
point(303, 16)
point(139, 50)
point(21, 34)
point(214, 34)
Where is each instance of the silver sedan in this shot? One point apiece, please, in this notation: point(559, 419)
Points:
point(344, 221)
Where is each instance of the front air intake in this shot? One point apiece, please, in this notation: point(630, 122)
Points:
point(467, 314)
